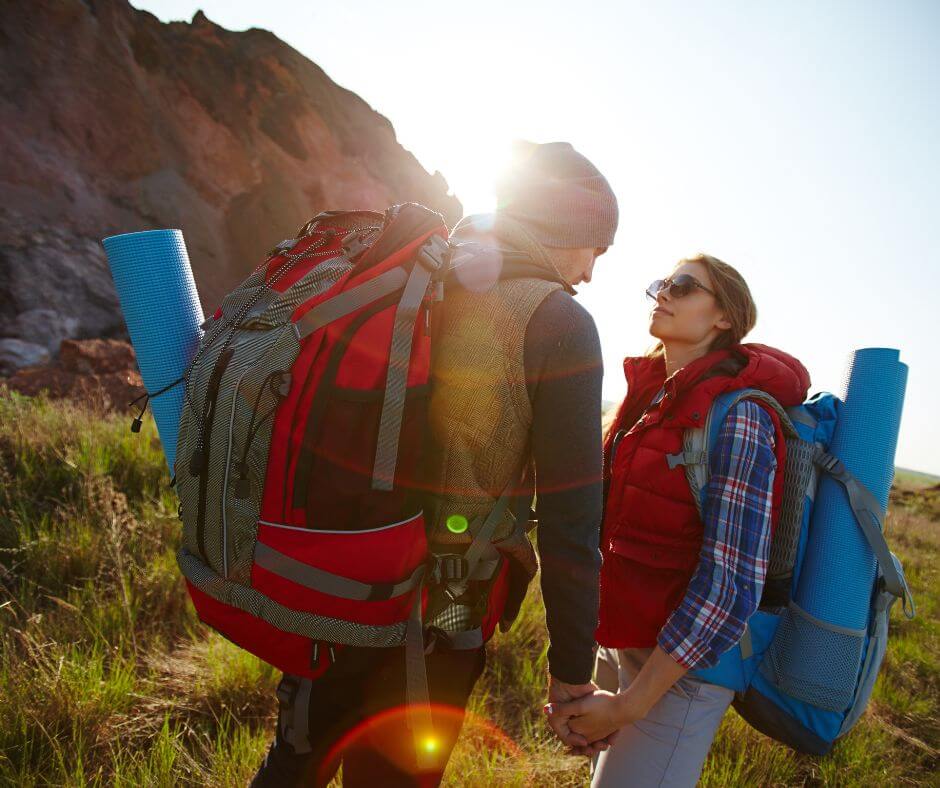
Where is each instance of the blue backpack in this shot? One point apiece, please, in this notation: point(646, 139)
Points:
point(804, 670)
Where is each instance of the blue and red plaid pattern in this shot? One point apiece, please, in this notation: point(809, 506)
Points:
point(725, 589)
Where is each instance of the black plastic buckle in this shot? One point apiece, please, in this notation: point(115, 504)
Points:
point(449, 568)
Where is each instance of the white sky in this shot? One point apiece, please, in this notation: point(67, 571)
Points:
point(797, 141)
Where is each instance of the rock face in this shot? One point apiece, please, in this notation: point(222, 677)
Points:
point(101, 373)
point(111, 121)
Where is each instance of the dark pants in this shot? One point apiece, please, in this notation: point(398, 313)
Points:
point(355, 716)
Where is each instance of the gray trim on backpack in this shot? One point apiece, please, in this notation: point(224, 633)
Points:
point(328, 583)
point(350, 300)
point(396, 383)
point(817, 622)
point(308, 625)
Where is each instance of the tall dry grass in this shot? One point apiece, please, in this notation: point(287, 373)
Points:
point(107, 678)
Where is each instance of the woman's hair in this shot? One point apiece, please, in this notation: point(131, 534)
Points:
point(734, 299)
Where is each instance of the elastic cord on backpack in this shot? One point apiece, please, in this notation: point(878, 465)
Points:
point(146, 397)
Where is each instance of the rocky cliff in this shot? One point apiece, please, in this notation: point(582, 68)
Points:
point(111, 121)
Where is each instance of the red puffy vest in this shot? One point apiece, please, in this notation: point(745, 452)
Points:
point(652, 531)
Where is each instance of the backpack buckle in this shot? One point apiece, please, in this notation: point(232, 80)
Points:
point(449, 568)
point(353, 245)
point(829, 463)
point(434, 253)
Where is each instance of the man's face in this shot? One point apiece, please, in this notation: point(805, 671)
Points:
point(577, 265)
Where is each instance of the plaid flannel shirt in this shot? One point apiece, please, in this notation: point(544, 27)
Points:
point(726, 587)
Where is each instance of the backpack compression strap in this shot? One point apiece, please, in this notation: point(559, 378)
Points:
point(430, 259)
point(870, 518)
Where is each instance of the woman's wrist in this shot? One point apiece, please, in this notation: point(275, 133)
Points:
point(628, 709)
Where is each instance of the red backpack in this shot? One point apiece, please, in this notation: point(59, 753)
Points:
point(297, 463)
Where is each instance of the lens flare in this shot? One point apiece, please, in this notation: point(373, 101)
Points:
point(421, 753)
point(457, 524)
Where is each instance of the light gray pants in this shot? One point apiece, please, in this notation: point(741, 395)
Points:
point(669, 746)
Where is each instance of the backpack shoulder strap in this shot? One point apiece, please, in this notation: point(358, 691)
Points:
point(697, 442)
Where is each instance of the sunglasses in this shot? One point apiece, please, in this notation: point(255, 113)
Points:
point(679, 287)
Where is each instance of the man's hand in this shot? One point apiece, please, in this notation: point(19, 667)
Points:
point(559, 694)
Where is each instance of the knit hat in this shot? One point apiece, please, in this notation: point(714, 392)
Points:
point(559, 196)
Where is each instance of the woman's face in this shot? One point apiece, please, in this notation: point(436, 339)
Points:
point(694, 319)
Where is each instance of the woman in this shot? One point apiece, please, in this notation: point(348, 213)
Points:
point(677, 588)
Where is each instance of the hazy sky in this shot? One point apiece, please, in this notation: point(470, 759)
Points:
point(798, 141)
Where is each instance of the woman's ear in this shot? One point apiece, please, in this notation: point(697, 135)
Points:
point(723, 323)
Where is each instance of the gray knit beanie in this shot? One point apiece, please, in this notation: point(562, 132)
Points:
point(560, 197)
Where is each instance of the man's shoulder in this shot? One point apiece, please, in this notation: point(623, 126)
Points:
point(560, 316)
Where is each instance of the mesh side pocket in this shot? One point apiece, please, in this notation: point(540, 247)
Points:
point(813, 661)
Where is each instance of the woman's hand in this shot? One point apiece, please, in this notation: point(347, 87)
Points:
point(595, 717)
point(561, 692)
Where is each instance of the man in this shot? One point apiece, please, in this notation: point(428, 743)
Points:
point(516, 383)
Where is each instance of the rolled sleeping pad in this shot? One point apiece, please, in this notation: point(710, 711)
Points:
point(158, 297)
point(839, 568)
point(816, 656)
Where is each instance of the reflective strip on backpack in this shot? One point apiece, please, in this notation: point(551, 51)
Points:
point(350, 300)
point(399, 358)
point(328, 583)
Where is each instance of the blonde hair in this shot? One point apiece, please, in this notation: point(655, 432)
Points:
point(733, 297)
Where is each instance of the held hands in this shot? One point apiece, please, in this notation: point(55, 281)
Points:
point(575, 716)
point(589, 719)
point(596, 717)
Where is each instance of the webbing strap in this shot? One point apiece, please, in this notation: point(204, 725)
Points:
point(417, 697)
point(870, 518)
point(293, 695)
point(464, 640)
point(393, 405)
point(696, 443)
point(326, 582)
point(349, 301)
point(746, 644)
point(800, 416)
point(482, 542)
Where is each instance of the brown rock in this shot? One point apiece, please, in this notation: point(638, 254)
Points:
point(96, 356)
point(101, 374)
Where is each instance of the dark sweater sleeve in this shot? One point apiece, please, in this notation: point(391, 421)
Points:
point(564, 369)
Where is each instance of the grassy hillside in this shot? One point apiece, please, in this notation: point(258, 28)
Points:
point(107, 678)
point(904, 477)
